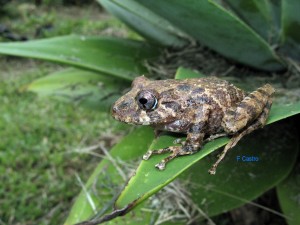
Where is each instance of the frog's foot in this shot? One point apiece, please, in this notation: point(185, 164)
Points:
point(175, 151)
point(258, 123)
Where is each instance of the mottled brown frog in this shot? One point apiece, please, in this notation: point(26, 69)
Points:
point(202, 108)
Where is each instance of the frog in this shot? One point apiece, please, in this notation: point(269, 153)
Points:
point(203, 109)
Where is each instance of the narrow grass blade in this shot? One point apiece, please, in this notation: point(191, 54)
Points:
point(118, 57)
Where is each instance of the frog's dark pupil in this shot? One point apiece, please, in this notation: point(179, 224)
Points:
point(143, 101)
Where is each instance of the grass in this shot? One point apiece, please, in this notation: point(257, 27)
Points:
point(39, 137)
point(41, 22)
point(37, 159)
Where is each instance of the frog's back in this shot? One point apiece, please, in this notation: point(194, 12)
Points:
point(217, 91)
point(210, 90)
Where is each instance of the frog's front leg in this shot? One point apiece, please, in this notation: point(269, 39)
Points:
point(193, 142)
point(191, 145)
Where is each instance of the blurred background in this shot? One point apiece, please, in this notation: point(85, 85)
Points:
point(43, 141)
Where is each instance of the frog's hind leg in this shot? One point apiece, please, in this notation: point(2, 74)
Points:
point(258, 123)
point(248, 110)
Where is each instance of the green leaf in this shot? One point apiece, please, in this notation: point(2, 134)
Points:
point(238, 182)
point(103, 185)
point(275, 6)
point(148, 180)
point(256, 13)
point(119, 57)
point(91, 89)
point(183, 73)
point(151, 26)
point(220, 30)
point(288, 192)
point(290, 20)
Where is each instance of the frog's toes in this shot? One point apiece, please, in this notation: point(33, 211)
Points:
point(161, 165)
point(147, 155)
point(212, 171)
point(175, 151)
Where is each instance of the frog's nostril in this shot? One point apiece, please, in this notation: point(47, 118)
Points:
point(114, 109)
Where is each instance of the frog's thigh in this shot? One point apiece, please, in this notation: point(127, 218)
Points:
point(193, 142)
point(259, 122)
point(250, 108)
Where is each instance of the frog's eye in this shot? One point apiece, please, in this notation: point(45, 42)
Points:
point(146, 100)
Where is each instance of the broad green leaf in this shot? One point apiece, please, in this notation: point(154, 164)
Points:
point(256, 13)
point(288, 192)
point(106, 181)
point(220, 30)
point(91, 89)
point(118, 57)
point(148, 180)
point(151, 26)
point(290, 21)
point(237, 182)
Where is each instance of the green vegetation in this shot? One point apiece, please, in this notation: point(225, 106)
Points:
point(39, 143)
point(101, 67)
point(46, 21)
point(42, 140)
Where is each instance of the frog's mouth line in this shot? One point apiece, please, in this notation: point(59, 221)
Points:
point(127, 120)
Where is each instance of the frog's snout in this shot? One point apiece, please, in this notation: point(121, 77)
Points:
point(122, 111)
point(115, 112)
